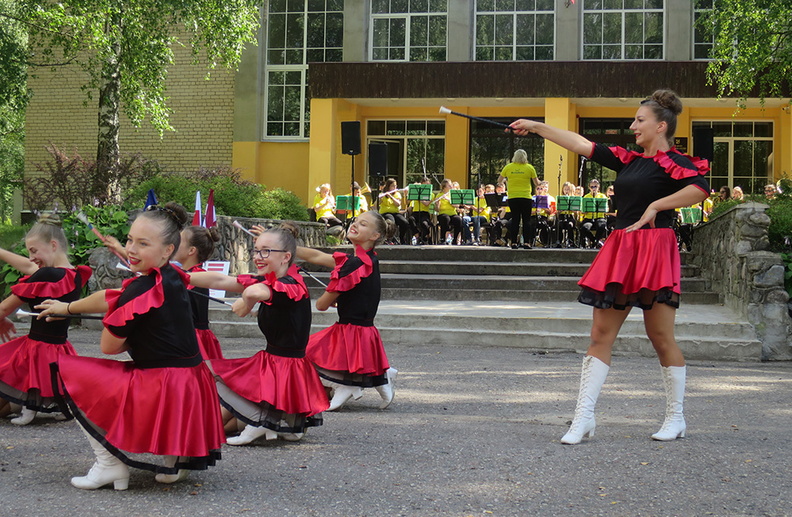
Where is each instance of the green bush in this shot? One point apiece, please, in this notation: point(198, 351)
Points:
point(109, 220)
point(9, 275)
point(780, 230)
point(11, 235)
point(234, 196)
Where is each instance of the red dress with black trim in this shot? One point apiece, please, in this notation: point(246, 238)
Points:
point(164, 401)
point(351, 352)
point(207, 341)
point(641, 268)
point(277, 388)
point(24, 361)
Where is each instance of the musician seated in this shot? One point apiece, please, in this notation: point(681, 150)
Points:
point(419, 217)
point(362, 202)
point(592, 228)
point(500, 221)
point(478, 214)
point(393, 206)
point(324, 206)
point(543, 218)
point(566, 221)
point(447, 216)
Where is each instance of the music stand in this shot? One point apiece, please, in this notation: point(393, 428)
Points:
point(596, 206)
point(419, 192)
point(691, 215)
point(463, 197)
point(349, 204)
point(495, 200)
point(566, 204)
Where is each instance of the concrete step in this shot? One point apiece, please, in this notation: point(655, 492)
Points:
point(708, 332)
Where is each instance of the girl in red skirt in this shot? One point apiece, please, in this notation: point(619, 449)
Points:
point(349, 355)
point(24, 361)
point(164, 401)
point(277, 392)
point(639, 264)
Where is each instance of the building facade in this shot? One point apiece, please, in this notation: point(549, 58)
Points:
point(582, 65)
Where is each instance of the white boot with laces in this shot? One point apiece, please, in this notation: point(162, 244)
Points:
point(674, 425)
point(592, 377)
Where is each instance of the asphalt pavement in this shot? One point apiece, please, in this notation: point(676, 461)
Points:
point(474, 430)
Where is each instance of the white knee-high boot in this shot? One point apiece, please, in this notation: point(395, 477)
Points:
point(592, 377)
point(387, 390)
point(107, 469)
point(674, 425)
point(170, 461)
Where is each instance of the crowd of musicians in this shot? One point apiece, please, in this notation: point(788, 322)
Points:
point(529, 217)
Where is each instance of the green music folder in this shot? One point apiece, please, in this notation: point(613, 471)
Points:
point(595, 204)
point(463, 197)
point(346, 202)
point(419, 193)
point(568, 203)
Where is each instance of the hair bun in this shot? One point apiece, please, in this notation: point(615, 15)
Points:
point(667, 99)
point(52, 219)
point(290, 227)
point(214, 234)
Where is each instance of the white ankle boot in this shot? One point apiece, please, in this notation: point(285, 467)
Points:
point(25, 417)
point(674, 425)
point(342, 394)
point(251, 433)
point(107, 469)
point(170, 461)
point(386, 390)
point(592, 377)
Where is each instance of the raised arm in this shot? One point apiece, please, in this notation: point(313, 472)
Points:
point(23, 264)
point(567, 139)
point(320, 258)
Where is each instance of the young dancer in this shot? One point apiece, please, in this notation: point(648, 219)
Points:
point(349, 355)
point(164, 401)
point(639, 264)
point(24, 361)
point(277, 392)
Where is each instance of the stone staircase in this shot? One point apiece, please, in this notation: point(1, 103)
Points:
point(451, 295)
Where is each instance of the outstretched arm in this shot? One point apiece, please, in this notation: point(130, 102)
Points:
point(320, 258)
point(23, 264)
point(94, 303)
point(566, 139)
point(215, 280)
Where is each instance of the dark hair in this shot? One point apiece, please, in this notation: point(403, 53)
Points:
point(48, 228)
point(666, 106)
point(172, 217)
point(287, 233)
point(385, 227)
point(203, 239)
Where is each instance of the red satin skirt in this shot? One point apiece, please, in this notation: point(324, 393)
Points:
point(25, 371)
point(348, 348)
point(287, 384)
point(638, 269)
point(208, 344)
point(160, 411)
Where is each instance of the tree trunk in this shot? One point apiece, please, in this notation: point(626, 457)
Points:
point(107, 149)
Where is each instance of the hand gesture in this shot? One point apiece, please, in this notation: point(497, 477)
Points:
point(7, 329)
point(48, 307)
point(648, 217)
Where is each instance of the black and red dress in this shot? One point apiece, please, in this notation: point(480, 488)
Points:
point(350, 352)
point(164, 401)
point(207, 341)
point(277, 388)
point(24, 361)
point(641, 267)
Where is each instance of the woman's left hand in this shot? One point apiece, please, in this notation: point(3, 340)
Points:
point(7, 329)
point(48, 307)
point(648, 217)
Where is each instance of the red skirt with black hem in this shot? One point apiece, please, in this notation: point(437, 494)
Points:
point(25, 372)
point(208, 344)
point(159, 411)
point(288, 384)
point(350, 348)
point(636, 269)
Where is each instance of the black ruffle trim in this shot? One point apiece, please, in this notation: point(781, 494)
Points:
point(276, 419)
point(352, 379)
point(613, 298)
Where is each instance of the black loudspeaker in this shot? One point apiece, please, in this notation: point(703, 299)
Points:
point(350, 137)
point(703, 142)
point(378, 159)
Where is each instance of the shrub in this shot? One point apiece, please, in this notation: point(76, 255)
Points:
point(234, 196)
point(109, 220)
point(9, 275)
point(74, 181)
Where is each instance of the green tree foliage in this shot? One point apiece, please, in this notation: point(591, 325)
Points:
point(752, 51)
point(125, 46)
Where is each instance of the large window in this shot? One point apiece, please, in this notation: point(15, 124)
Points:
point(514, 30)
point(742, 154)
point(623, 29)
point(298, 32)
point(491, 149)
point(408, 30)
point(413, 146)
point(703, 35)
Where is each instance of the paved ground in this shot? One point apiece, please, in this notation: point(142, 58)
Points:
point(473, 431)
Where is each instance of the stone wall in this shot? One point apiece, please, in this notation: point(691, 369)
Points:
point(731, 250)
point(233, 247)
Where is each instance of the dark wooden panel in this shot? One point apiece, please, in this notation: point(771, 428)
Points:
point(508, 79)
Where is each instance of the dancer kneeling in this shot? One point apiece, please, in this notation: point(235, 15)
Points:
point(277, 392)
point(164, 401)
point(24, 361)
point(349, 355)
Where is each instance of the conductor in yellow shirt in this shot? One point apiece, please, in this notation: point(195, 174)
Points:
point(521, 178)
